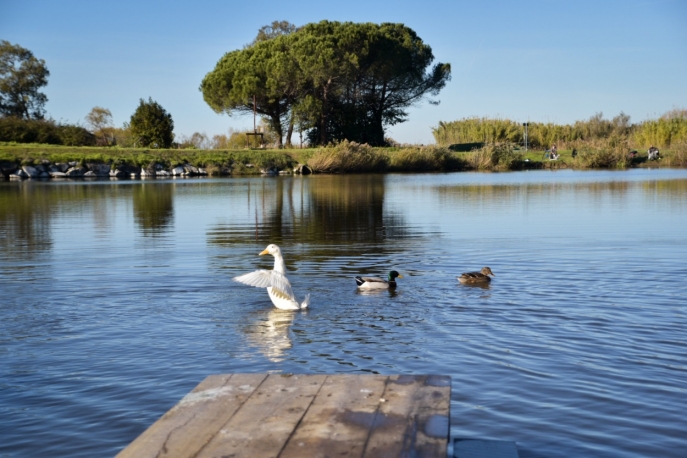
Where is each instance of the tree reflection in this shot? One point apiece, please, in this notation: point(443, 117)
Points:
point(25, 217)
point(319, 210)
point(154, 207)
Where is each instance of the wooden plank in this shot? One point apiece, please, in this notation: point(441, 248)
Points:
point(414, 420)
point(189, 425)
point(263, 425)
point(338, 421)
point(287, 416)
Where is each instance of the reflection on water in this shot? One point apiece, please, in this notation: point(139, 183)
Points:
point(323, 210)
point(154, 207)
point(269, 332)
point(117, 299)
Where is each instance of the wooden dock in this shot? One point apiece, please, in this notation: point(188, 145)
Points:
point(278, 415)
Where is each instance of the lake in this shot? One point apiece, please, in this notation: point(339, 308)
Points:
point(117, 299)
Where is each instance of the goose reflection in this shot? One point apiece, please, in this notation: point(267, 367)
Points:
point(270, 334)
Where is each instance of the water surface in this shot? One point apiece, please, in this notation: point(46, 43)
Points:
point(117, 299)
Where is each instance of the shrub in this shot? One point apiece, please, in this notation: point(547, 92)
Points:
point(428, 159)
point(604, 153)
point(347, 157)
point(678, 154)
point(500, 156)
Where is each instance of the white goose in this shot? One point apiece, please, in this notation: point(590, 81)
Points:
point(278, 286)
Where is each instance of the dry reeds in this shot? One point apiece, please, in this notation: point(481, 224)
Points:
point(428, 159)
point(347, 157)
point(495, 157)
point(603, 153)
point(678, 155)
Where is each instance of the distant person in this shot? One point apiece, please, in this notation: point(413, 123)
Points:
point(554, 154)
point(574, 153)
point(653, 153)
point(633, 154)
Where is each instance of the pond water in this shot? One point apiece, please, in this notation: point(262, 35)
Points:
point(117, 299)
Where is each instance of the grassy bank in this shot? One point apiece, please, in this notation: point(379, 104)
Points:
point(348, 157)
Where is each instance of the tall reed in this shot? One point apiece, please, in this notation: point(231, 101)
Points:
point(426, 159)
point(603, 153)
point(500, 156)
point(348, 157)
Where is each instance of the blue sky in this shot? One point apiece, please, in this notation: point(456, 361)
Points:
point(537, 60)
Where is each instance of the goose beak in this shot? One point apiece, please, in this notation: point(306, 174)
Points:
point(263, 252)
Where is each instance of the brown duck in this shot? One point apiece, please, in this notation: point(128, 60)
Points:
point(476, 278)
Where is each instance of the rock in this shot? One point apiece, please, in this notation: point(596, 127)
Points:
point(18, 174)
point(60, 167)
point(90, 174)
point(178, 171)
point(7, 167)
point(101, 170)
point(162, 173)
point(202, 171)
point(116, 173)
point(131, 170)
point(58, 174)
point(145, 173)
point(75, 172)
point(30, 171)
point(302, 169)
point(190, 170)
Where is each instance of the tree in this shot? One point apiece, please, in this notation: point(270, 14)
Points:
point(264, 74)
point(277, 28)
point(365, 76)
point(21, 76)
point(100, 120)
point(342, 80)
point(151, 125)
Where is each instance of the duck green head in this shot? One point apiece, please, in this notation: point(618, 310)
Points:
point(393, 275)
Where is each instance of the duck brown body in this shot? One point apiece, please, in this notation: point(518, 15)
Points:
point(476, 278)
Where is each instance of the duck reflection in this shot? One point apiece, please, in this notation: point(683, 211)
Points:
point(377, 292)
point(270, 333)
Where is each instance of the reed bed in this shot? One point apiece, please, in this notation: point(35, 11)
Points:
point(426, 159)
point(610, 153)
point(348, 157)
point(677, 156)
point(669, 129)
point(502, 156)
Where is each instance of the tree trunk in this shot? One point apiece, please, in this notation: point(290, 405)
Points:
point(289, 132)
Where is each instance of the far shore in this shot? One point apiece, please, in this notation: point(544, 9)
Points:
point(21, 161)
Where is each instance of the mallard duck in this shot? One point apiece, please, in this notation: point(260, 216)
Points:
point(278, 286)
point(378, 283)
point(475, 278)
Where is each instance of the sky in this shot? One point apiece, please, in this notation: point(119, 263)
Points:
point(530, 60)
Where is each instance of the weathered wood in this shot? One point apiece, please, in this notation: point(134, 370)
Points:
point(262, 426)
point(414, 418)
point(288, 416)
point(339, 420)
point(189, 425)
